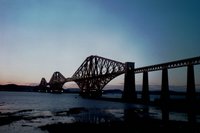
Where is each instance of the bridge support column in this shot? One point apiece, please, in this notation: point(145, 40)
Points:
point(145, 88)
point(165, 86)
point(191, 95)
point(129, 93)
point(165, 95)
point(190, 83)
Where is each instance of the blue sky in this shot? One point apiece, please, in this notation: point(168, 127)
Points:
point(39, 37)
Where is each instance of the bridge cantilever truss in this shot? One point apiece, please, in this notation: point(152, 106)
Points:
point(95, 72)
point(55, 84)
point(43, 84)
point(57, 81)
point(57, 77)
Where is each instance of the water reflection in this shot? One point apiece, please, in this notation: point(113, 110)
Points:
point(190, 114)
point(95, 116)
point(135, 114)
point(99, 116)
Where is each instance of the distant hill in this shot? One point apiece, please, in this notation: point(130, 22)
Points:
point(24, 88)
point(77, 90)
point(14, 87)
point(116, 91)
point(71, 90)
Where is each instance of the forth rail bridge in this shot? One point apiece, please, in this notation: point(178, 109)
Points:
point(95, 72)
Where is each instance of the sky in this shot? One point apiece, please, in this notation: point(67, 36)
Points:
point(39, 37)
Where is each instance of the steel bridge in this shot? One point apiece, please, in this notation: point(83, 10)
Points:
point(95, 72)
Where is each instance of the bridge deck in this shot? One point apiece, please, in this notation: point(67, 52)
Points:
point(169, 65)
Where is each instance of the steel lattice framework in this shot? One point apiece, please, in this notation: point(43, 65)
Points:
point(95, 72)
point(43, 82)
point(57, 77)
point(91, 77)
point(57, 81)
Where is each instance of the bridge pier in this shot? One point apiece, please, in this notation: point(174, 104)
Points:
point(191, 94)
point(165, 86)
point(145, 88)
point(165, 95)
point(190, 84)
point(129, 93)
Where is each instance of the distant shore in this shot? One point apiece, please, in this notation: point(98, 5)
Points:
point(27, 88)
point(175, 104)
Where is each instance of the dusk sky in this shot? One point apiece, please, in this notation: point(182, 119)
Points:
point(39, 37)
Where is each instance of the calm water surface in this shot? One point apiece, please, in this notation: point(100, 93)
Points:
point(44, 106)
point(15, 101)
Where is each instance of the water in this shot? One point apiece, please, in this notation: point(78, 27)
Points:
point(38, 109)
point(14, 101)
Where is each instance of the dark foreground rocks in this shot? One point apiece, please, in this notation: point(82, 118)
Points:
point(95, 121)
point(144, 126)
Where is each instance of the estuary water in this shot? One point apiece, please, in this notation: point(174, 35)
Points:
point(31, 110)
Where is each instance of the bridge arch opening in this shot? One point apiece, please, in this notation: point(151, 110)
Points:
point(114, 88)
point(138, 85)
point(178, 77)
point(197, 78)
point(178, 83)
point(71, 87)
point(155, 83)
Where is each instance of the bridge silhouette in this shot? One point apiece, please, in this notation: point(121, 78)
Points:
point(95, 72)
